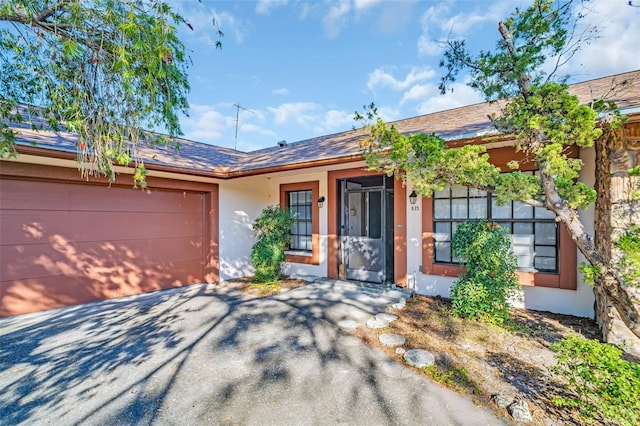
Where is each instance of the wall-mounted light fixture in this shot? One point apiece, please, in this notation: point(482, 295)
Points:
point(413, 197)
point(321, 202)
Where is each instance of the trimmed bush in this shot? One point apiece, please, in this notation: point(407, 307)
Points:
point(489, 281)
point(273, 229)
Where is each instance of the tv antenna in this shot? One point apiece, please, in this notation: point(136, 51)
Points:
point(238, 108)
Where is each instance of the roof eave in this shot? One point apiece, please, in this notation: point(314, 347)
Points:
point(218, 172)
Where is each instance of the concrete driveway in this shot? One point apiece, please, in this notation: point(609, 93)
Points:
point(209, 354)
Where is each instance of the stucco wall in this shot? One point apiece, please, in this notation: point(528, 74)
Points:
point(241, 201)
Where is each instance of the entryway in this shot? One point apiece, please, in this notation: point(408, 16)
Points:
point(366, 228)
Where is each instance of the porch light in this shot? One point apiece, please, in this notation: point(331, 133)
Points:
point(321, 202)
point(413, 197)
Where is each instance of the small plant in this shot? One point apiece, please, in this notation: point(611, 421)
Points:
point(518, 328)
point(273, 229)
point(451, 376)
point(606, 387)
point(489, 281)
point(266, 288)
point(590, 273)
point(629, 245)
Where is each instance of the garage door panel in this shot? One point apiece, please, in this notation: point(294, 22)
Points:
point(18, 195)
point(67, 243)
point(42, 260)
point(28, 295)
point(28, 227)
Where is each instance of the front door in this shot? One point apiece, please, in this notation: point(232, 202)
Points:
point(364, 229)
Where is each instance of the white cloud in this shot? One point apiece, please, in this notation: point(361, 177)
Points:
point(419, 92)
point(431, 25)
point(616, 49)
point(336, 18)
point(281, 92)
point(313, 118)
point(427, 46)
point(365, 4)
point(439, 24)
point(335, 120)
point(255, 129)
point(390, 114)
point(381, 78)
point(264, 7)
point(205, 124)
point(302, 113)
point(462, 95)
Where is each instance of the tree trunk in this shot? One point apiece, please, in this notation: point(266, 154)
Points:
point(615, 325)
point(617, 303)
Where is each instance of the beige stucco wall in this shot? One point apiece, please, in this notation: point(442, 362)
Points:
point(241, 201)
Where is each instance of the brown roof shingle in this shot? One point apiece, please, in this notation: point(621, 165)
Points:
point(455, 124)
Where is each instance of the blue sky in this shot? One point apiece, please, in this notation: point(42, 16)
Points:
point(301, 68)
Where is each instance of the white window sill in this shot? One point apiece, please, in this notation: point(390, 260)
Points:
point(299, 253)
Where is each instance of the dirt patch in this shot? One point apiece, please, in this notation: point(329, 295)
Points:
point(483, 360)
point(249, 286)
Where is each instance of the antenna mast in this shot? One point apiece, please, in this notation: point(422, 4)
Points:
point(238, 108)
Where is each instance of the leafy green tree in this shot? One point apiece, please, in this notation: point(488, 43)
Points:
point(545, 120)
point(103, 69)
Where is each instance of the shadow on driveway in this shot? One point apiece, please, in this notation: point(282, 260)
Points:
point(210, 355)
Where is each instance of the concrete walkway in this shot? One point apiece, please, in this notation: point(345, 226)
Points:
point(211, 355)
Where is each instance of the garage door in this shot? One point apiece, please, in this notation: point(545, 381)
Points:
point(63, 244)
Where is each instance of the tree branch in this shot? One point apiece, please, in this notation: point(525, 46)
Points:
point(524, 81)
point(50, 11)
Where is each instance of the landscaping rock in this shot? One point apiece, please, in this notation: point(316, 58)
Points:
point(391, 339)
point(386, 317)
point(376, 322)
point(419, 358)
point(519, 410)
point(400, 305)
point(401, 351)
point(502, 401)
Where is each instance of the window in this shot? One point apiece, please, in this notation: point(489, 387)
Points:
point(534, 232)
point(302, 198)
point(300, 203)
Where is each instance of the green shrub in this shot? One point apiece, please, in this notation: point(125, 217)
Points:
point(273, 229)
point(489, 280)
point(629, 245)
point(606, 387)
